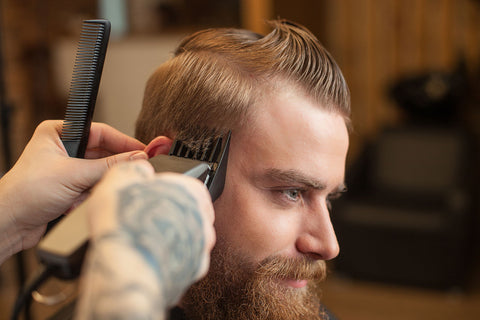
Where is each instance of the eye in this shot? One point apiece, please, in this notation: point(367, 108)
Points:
point(292, 194)
point(287, 196)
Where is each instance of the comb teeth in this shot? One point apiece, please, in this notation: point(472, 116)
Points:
point(209, 150)
point(191, 158)
point(84, 79)
point(87, 72)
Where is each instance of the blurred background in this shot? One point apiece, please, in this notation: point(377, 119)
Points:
point(408, 227)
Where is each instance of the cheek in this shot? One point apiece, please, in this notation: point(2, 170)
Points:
point(247, 223)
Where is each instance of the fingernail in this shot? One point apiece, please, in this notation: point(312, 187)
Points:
point(139, 155)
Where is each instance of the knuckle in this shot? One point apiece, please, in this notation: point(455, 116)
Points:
point(110, 162)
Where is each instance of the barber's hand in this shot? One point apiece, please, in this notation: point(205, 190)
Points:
point(45, 182)
point(151, 237)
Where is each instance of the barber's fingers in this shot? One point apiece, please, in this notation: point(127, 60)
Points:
point(91, 171)
point(50, 126)
point(122, 175)
point(210, 239)
point(130, 172)
point(200, 193)
point(205, 207)
point(102, 205)
point(106, 139)
point(197, 189)
point(47, 138)
point(208, 213)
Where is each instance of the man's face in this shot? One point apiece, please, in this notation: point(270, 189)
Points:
point(283, 169)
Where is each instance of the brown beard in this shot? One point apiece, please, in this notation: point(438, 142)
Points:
point(235, 290)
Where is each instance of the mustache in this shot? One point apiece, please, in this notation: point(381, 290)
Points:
point(299, 268)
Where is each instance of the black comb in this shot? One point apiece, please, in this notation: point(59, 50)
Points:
point(207, 162)
point(87, 72)
point(86, 76)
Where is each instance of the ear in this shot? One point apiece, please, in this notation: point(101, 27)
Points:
point(159, 145)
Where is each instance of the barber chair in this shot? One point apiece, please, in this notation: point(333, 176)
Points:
point(408, 216)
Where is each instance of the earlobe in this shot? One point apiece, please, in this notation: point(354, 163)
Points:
point(159, 145)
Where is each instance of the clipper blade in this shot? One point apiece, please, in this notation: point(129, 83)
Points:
point(207, 162)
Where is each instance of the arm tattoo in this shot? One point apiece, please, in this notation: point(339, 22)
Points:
point(144, 266)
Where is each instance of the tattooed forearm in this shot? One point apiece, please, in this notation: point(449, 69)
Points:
point(154, 252)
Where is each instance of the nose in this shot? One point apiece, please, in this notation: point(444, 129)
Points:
point(317, 238)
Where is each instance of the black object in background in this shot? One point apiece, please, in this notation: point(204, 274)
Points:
point(409, 215)
point(432, 96)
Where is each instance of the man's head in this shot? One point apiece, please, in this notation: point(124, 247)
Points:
point(287, 104)
point(218, 76)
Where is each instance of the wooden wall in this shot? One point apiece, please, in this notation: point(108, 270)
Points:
point(378, 41)
point(28, 28)
point(373, 41)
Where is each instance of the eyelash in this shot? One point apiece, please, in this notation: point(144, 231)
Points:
point(300, 194)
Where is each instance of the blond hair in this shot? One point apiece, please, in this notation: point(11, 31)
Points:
point(218, 75)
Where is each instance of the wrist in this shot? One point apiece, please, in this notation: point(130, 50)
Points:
point(10, 239)
point(117, 283)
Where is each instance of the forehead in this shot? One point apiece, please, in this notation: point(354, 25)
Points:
point(289, 131)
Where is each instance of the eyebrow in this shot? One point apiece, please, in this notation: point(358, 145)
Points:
point(296, 177)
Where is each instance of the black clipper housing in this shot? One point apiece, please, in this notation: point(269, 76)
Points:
point(208, 164)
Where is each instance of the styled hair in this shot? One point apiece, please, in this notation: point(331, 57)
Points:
point(217, 76)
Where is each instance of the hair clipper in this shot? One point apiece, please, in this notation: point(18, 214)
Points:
point(63, 248)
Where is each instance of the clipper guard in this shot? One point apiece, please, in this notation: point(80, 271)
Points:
point(208, 164)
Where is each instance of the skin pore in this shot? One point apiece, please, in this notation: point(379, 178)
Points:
point(272, 220)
